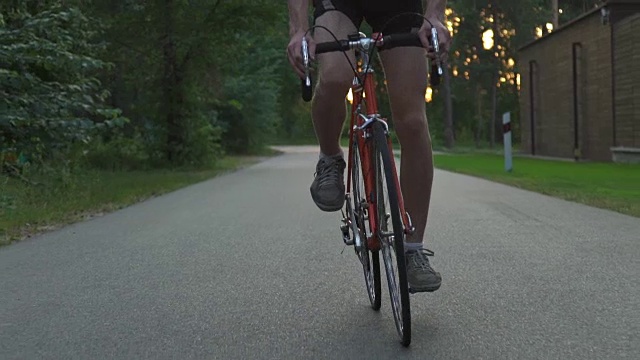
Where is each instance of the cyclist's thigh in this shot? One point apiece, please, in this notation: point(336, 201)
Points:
point(405, 67)
point(334, 66)
point(405, 70)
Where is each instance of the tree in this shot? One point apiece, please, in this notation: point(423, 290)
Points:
point(51, 97)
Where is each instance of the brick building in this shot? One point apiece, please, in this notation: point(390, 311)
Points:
point(580, 86)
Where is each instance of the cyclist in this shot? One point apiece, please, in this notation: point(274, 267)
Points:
point(406, 74)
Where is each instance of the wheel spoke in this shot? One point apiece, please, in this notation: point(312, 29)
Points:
point(390, 232)
point(369, 259)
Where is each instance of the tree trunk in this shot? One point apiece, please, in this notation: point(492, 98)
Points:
point(555, 22)
point(494, 107)
point(479, 114)
point(494, 80)
point(448, 110)
point(171, 84)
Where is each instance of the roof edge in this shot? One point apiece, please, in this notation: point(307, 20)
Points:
point(569, 24)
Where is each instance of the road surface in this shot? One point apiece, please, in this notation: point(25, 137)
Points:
point(244, 266)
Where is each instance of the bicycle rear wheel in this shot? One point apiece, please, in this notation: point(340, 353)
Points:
point(370, 259)
point(391, 234)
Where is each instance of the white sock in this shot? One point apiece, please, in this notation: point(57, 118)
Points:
point(412, 246)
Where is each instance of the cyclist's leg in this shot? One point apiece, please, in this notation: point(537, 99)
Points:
point(334, 79)
point(406, 74)
point(328, 108)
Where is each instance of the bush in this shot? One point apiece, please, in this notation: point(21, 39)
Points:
point(118, 153)
point(202, 139)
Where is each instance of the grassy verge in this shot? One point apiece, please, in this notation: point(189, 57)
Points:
point(28, 209)
point(609, 186)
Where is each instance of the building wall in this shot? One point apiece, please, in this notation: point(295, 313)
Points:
point(553, 92)
point(627, 81)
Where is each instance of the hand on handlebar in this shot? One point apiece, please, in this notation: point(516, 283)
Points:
point(295, 55)
point(444, 40)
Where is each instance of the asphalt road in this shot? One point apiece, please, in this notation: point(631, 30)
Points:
point(245, 266)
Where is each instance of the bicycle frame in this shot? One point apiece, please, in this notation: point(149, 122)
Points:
point(360, 127)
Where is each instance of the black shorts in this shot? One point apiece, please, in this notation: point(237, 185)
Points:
point(378, 13)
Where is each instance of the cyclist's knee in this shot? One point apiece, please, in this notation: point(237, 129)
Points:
point(412, 125)
point(334, 80)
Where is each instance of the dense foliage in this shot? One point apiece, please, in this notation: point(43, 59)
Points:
point(52, 99)
point(132, 83)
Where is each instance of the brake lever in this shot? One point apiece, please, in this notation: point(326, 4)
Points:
point(307, 91)
point(436, 46)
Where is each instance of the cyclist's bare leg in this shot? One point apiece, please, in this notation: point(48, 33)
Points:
point(328, 108)
point(406, 73)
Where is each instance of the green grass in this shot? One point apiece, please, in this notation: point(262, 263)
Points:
point(28, 209)
point(604, 185)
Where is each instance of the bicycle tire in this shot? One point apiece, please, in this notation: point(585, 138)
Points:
point(370, 259)
point(398, 287)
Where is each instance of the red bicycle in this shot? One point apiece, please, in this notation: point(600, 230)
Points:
point(374, 218)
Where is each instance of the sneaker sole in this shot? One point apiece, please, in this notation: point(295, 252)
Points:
point(327, 207)
point(430, 288)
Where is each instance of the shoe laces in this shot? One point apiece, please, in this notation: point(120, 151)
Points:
point(419, 259)
point(329, 172)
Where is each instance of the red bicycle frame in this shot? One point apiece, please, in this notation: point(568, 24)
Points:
point(368, 92)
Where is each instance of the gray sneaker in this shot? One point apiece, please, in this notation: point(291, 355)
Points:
point(327, 189)
point(420, 274)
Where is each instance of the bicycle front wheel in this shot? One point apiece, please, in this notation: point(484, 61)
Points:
point(390, 232)
point(369, 258)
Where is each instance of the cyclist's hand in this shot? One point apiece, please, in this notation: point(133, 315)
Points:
point(294, 52)
point(444, 38)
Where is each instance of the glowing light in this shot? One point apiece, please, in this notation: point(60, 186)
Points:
point(518, 81)
point(538, 32)
point(487, 39)
point(549, 27)
point(455, 71)
point(511, 62)
point(560, 11)
point(350, 97)
point(428, 95)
